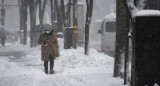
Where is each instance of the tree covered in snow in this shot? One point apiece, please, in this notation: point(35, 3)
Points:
point(126, 9)
point(125, 14)
point(122, 20)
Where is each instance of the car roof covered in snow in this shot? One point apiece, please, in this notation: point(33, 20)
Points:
point(147, 13)
point(98, 20)
point(110, 17)
point(80, 3)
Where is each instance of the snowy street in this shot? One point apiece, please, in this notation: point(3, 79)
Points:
point(79, 42)
point(72, 68)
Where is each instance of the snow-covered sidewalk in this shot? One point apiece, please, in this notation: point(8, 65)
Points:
point(72, 68)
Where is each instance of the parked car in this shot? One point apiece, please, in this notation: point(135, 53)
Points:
point(108, 35)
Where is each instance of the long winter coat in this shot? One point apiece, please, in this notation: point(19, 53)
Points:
point(49, 45)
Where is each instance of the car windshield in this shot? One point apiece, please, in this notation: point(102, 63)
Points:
point(110, 27)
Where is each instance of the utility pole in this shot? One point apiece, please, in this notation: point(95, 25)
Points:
point(75, 24)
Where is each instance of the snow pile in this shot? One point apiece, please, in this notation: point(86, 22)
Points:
point(71, 61)
point(6, 65)
point(16, 46)
point(156, 84)
point(72, 68)
point(74, 60)
point(148, 13)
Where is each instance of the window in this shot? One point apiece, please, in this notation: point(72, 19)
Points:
point(111, 27)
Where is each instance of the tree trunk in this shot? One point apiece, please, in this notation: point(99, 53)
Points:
point(121, 32)
point(32, 8)
point(25, 22)
point(59, 17)
point(63, 13)
point(32, 24)
point(138, 4)
point(129, 22)
point(87, 23)
point(3, 13)
point(41, 10)
point(21, 20)
point(53, 16)
point(126, 62)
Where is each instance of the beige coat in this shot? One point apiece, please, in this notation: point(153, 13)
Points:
point(51, 47)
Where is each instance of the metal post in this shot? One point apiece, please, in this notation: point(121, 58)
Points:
point(75, 24)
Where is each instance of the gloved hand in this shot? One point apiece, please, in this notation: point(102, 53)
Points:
point(44, 43)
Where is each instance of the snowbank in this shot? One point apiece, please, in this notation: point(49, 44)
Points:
point(16, 46)
point(74, 60)
point(5, 64)
point(72, 68)
point(71, 61)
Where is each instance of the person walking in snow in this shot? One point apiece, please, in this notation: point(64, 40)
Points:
point(3, 36)
point(49, 49)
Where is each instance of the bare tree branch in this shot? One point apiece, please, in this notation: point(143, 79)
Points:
point(131, 7)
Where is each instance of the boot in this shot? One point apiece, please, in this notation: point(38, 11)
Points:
point(46, 70)
point(51, 71)
point(46, 67)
